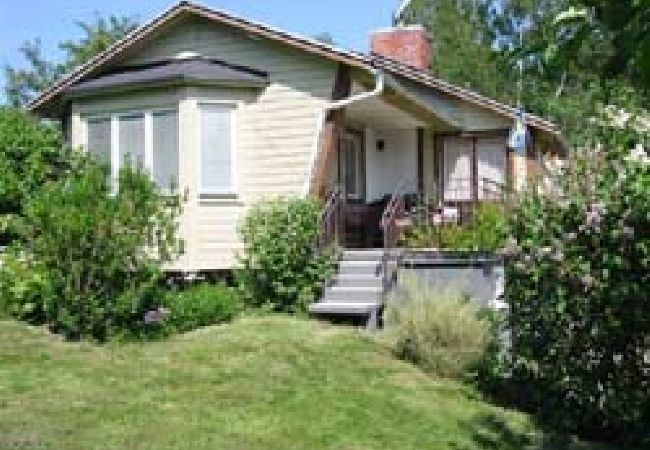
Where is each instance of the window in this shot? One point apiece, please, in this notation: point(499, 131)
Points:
point(458, 169)
point(165, 149)
point(131, 141)
point(217, 161)
point(145, 140)
point(491, 165)
point(99, 139)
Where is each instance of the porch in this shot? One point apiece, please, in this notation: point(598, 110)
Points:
point(393, 169)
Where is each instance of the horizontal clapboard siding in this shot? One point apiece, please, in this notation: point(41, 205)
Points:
point(274, 128)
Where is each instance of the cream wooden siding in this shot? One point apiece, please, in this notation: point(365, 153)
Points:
point(275, 128)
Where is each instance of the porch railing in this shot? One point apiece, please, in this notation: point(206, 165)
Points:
point(329, 225)
point(394, 213)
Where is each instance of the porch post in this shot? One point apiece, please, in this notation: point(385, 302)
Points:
point(334, 123)
point(474, 172)
point(420, 166)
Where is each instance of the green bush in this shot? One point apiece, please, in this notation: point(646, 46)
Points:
point(31, 154)
point(90, 265)
point(200, 306)
point(578, 285)
point(444, 333)
point(280, 267)
point(486, 233)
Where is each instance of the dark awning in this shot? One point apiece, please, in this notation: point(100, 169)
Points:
point(197, 70)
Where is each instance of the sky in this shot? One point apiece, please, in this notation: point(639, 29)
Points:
point(347, 21)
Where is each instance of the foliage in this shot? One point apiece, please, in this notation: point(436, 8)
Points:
point(621, 27)
point(91, 260)
point(465, 52)
point(24, 84)
point(486, 233)
point(444, 333)
point(571, 66)
point(31, 154)
point(280, 267)
point(200, 306)
point(578, 279)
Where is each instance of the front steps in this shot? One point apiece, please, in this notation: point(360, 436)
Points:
point(356, 290)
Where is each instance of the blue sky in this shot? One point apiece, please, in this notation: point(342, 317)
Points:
point(348, 21)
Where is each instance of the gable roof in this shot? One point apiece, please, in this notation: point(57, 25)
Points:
point(312, 46)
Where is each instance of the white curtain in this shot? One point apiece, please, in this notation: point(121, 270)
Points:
point(216, 149)
point(491, 163)
point(458, 169)
point(165, 149)
point(131, 142)
point(99, 139)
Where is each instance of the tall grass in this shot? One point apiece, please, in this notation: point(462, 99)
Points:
point(443, 332)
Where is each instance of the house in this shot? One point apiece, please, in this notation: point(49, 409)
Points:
point(234, 111)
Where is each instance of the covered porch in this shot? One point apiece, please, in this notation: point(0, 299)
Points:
point(395, 160)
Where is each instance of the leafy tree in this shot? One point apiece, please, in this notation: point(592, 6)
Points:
point(464, 52)
point(567, 58)
point(23, 84)
point(30, 155)
point(621, 27)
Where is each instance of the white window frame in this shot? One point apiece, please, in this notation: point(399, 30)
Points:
point(233, 192)
point(114, 117)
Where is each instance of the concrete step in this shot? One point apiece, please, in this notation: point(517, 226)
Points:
point(341, 308)
point(362, 255)
point(352, 280)
point(360, 267)
point(353, 294)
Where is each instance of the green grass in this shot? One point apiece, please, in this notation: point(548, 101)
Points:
point(260, 383)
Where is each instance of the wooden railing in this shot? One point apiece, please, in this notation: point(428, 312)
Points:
point(329, 225)
point(394, 212)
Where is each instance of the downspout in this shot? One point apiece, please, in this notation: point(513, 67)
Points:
point(380, 84)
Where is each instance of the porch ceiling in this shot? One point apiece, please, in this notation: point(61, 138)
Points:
point(379, 114)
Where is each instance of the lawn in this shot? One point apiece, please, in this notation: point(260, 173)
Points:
point(260, 383)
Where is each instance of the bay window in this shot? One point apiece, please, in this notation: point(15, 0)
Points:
point(146, 140)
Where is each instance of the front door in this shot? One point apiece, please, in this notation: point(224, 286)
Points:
point(352, 164)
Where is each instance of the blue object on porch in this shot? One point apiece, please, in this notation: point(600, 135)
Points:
point(518, 139)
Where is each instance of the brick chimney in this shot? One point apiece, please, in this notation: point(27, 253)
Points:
point(411, 45)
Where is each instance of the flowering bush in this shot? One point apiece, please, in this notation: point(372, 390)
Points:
point(578, 284)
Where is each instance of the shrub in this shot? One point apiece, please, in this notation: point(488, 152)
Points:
point(578, 278)
point(30, 155)
point(200, 306)
point(443, 333)
point(280, 267)
point(91, 261)
point(486, 233)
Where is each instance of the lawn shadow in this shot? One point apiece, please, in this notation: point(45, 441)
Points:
point(489, 431)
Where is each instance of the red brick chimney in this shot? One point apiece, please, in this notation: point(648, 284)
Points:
point(411, 45)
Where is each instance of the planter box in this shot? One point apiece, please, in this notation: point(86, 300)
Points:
point(480, 276)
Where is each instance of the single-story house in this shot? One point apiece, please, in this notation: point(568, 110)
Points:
point(233, 111)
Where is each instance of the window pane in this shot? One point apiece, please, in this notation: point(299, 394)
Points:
point(132, 141)
point(99, 139)
point(458, 169)
point(165, 149)
point(491, 164)
point(216, 149)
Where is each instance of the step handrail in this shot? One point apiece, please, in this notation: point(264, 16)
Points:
point(330, 220)
point(395, 209)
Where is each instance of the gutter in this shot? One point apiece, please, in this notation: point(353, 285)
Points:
point(380, 85)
